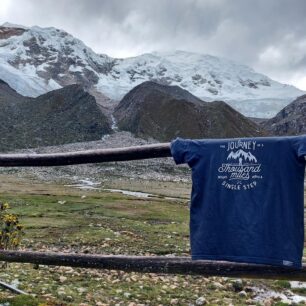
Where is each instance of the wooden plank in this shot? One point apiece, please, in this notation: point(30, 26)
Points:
point(85, 157)
point(157, 264)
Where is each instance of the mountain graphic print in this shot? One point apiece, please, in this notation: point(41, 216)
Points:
point(247, 156)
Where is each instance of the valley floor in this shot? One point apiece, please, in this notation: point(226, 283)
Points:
point(107, 217)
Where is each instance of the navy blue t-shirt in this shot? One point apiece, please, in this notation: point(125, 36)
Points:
point(247, 200)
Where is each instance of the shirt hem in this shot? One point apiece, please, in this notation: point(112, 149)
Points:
point(256, 260)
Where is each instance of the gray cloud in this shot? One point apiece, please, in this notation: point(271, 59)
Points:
point(267, 35)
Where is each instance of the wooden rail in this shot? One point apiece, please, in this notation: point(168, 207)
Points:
point(156, 264)
point(86, 157)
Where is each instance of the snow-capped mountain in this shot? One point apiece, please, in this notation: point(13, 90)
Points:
point(36, 60)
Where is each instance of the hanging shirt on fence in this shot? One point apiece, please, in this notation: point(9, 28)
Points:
point(247, 201)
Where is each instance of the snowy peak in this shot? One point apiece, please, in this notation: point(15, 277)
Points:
point(207, 77)
point(7, 32)
point(13, 25)
point(36, 60)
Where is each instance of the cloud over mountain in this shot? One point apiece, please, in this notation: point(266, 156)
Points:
point(267, 35)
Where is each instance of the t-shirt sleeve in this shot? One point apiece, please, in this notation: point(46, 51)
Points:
point(179, 149)
point(301, 146)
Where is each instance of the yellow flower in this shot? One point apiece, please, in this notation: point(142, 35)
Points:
point(10, 229)
point(9, 219)
point(15, 241)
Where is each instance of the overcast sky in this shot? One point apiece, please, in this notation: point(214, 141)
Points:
point(268, 35)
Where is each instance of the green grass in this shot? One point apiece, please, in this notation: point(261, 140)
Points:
point(22, 300)
point(108, 223)
point(283, 284)
point(156, 226)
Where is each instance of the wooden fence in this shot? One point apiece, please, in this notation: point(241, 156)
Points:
point(144, 264)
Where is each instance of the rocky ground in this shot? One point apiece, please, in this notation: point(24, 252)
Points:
point(160, 169)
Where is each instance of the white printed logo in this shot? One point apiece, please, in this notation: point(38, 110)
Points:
point(241, 170)
point(287, 263)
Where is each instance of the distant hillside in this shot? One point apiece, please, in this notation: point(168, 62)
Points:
point(291, 120)
point(61, 116)
point(165, 112)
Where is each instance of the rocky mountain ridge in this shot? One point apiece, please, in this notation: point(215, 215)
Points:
point(291, 120)
point(62, 116)
point(165, 112)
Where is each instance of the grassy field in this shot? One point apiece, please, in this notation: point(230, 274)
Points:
point(61, 218)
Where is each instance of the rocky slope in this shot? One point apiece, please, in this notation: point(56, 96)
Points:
point(165, 112)
point(62, 116)
point(289, 121)
point(36, 60)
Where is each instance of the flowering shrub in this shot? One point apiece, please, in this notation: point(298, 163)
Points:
point(10, 228)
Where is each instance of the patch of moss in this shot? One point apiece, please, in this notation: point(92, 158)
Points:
point(22, 300)
point(283, 284)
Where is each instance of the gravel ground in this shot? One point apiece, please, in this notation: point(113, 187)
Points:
point(160, 169)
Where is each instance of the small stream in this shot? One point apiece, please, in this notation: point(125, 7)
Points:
point(114, 125)
point(136, 194)
point(86, 184)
